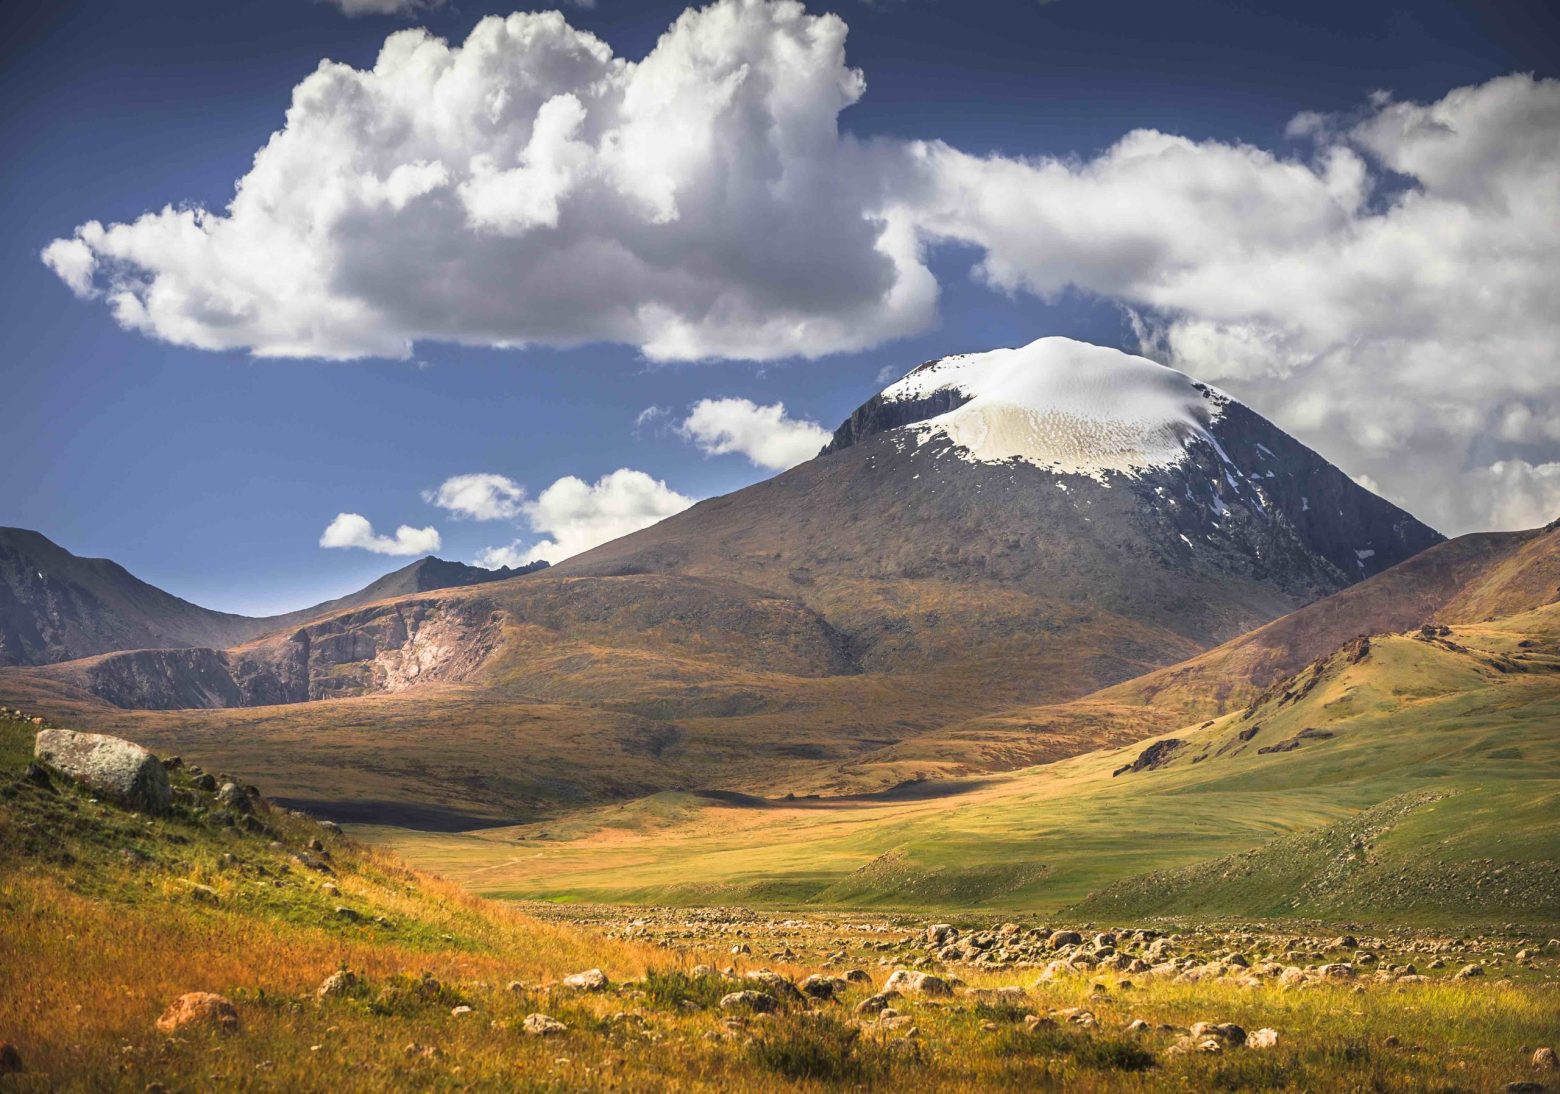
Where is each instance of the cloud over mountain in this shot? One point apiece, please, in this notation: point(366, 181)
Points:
point(1383, 288)
point(479, 496)
point(766, 435)
point(575, 515)
point(354, 530)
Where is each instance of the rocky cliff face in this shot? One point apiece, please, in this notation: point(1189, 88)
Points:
point(55, 606)
point(384, 649)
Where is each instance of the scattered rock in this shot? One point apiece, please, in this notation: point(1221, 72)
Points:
point(873, 1004)
point(1468, 972)
point(201, 1008)
point(456, 1012)
point(203, 894)
point(589, 980)
point(1228, 1032)
point(755, 1002)
point(233, 797)
point(1544, 1060)
point(823, 987)
point(910, 982)
point(775, 985)
point(114, 768)
point(540, 1025)
point(1263, 1038)
point(337, 983)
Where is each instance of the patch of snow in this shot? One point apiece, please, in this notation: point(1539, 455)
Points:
point(1185, 540)
point(1266, 449)
point(1363, 555)
point(1066, 405)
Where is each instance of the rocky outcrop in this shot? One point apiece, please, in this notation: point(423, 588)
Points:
point(1155, 755)
point(383, 649)
point(114, 768)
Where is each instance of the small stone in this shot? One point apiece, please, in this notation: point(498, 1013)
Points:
point(1468, 972)
point(909, 982)
point(540, 1025)
point(589, 980)
point(822, 987)
point(1263, 1038)
point(874, 1004)
point(203, 894)
point(456, 1012)
point(1137, 1025)
point(1228, 1032)
point(756, 1002)
point(340, 982)
point(774, 985)
point(343, 912)
point(199, 1008)
point(1544, 1060)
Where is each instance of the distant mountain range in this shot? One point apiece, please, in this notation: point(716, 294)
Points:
point(56, 606)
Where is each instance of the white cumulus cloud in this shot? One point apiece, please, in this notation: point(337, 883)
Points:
point(766, 435)
point(353, 530)
point(528, 186)
point(478, 496)
point(1388, 294)
point(575, 516)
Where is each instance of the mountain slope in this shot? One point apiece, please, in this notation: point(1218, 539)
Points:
point(990, 509)
point(56, 606)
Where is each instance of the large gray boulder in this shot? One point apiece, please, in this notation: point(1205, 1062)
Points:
point(115, 768)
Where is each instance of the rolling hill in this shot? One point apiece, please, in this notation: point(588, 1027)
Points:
point(1408, 776)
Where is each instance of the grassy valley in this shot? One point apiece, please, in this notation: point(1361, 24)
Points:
point(1448, 736)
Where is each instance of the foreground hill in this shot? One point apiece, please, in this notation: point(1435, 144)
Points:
point(224, 943)
point(55, 606)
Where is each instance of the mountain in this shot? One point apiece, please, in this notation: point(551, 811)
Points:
point(994, 531)
point(1059, 511)
point(56, 606)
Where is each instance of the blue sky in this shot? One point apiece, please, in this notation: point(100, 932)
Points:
point(212, 472)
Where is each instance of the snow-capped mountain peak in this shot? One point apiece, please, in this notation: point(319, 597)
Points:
point(1061, 404)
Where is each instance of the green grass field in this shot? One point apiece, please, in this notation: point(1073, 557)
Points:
point(1426, 790)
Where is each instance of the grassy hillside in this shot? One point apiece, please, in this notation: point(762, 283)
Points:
point(1455, 730)
point(108, 917)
